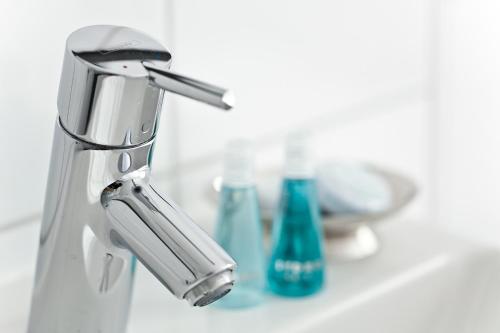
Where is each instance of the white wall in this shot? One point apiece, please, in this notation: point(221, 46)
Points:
point(468, 154)
point(317, 66)
point(294, 61)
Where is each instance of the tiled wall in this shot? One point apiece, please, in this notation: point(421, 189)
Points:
point(291, 62)
point(354, 72)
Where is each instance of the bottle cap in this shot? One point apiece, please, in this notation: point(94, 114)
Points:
point(238, 163)
point(298, 155)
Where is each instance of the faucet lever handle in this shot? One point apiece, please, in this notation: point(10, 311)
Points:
point(189, 87)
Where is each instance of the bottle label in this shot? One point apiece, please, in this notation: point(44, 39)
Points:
point(295, 270)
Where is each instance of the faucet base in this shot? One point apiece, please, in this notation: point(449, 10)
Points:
point(83, 282)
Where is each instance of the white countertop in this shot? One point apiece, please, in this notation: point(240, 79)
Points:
point(408, 250)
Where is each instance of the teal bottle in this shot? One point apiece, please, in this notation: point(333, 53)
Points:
point(239, 229)
point(296, 266)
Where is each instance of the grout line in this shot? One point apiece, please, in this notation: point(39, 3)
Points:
point(19, 275)
point(434, 140)
point(173, 112)
point(336, 118)
point(27, 220)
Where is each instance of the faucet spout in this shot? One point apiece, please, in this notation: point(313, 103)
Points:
point(165, 239)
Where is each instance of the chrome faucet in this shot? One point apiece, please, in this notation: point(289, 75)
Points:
point(101, 211)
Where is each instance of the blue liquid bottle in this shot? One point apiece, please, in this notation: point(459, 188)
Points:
point(239, 228)
point(296, 266)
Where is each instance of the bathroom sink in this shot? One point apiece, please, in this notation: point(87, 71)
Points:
point(422, 280)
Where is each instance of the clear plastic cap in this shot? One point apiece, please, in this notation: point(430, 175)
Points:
point(239, 163)
point(298, 155)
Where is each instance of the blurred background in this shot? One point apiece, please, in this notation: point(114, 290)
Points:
point(408, 84)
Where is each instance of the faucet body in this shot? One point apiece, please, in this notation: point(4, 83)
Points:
point(101, 211)
point(83, 282)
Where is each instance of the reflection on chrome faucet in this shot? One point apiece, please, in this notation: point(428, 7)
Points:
point(101, 211)
point(160, 234)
